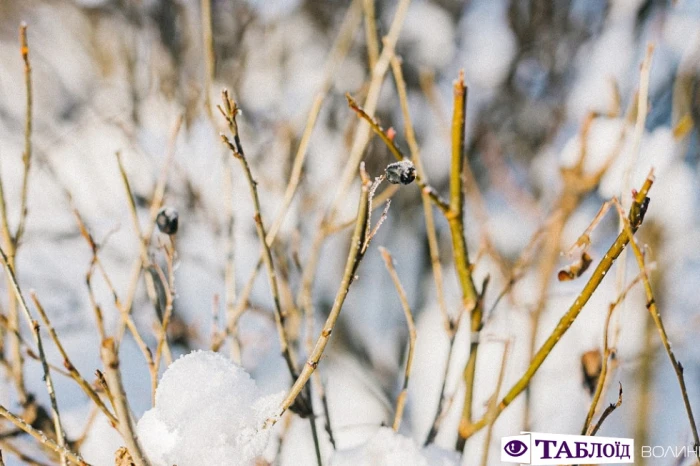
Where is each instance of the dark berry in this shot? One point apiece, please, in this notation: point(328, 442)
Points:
point(403, 172)
point(167, 220)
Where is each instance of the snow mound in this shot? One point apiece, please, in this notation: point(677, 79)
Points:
point(208, 411)
point(387, 448)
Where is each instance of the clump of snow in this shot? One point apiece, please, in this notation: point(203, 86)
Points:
point(208, 411)
point(387, 448)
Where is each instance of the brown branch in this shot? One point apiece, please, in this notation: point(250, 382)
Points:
point(491, 410)
point(230, 111)
point(60, 434)
point(42, 438)
point(636, 216)
point(427, 208)
point(608, 411)
point(607, 354)
point(72, 371)
point(355, 255)
point(470, 298)
point(401, 400)
point(629, 230)
point(27, 155)
point(396, 152)
point(110, 359)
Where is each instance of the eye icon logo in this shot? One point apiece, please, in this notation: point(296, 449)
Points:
point(515, 448)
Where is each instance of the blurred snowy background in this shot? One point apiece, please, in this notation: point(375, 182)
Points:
point(115, 75)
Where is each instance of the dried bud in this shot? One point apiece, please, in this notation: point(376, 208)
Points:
point(403, 172)
point(592, 366)
point(576, 269)
point(167, 220)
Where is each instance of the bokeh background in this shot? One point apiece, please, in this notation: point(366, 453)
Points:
point(115, 75)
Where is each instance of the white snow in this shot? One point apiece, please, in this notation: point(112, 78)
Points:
point(387, 448)
point(208, 411)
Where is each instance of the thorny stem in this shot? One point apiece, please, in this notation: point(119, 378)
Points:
point(42, 438)
point(467, 430)
point(401, 400)
point(355, 255)
point(110, 359)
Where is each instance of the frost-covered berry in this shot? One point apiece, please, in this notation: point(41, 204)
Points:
point(167, 220)
point(403, 172)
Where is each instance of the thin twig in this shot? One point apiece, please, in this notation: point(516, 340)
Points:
point(608, 411)
point(26, 459)
point(443, 403)
point(11, 242)
point(577, 184)
point(427, 208)
point(209, 54)
point(230, 112)
point(492, 404)
point(142, 260)
point(629, 230)
point(337, 54)
point(401, 400)
point(42, 438)
point(470, 298)
point(110, 359)
point(27, 155)
point(72, 371)
point(570, 316)
point(355, 255)
point(396, 152)
point(362, 135)
point(607, 353)
point(60, 434)
point(371, 33)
